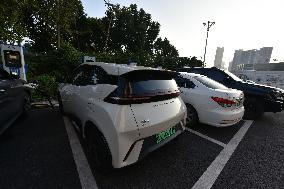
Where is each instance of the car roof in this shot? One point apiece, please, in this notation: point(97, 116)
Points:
point(118, 69)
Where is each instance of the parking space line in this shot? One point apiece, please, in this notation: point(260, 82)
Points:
point(85, 174)
point(213, 171)
point(206, 137)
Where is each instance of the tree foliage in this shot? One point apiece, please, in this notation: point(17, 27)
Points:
point(12, 26)
point(125, 34)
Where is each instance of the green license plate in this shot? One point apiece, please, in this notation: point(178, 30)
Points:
point(165, 134)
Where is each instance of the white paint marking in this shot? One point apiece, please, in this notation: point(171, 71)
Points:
point(213, 171)
point(85, 174)
point(206, 137)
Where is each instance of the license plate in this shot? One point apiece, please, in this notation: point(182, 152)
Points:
point(165, 134)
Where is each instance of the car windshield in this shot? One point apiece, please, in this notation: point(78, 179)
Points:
point(233, 76)
point(209, 82)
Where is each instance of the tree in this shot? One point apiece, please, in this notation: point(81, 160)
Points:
point(46, 22)
point(190, 62)
point(12, 28)
point(165, 54)
point(132, 31)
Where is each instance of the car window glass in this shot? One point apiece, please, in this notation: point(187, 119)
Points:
point(180, 81)
point(87, 76)
point(92, 75)
point(77, 75)
point(189, 84)
point(207, 82)
point(101, 76)
point(215, 75)
point(234, 77)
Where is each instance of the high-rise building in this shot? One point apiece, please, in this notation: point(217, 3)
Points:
point(237, 59)
point(253, 56)
point(230, 66)
point(264, 55)
point(219, 57)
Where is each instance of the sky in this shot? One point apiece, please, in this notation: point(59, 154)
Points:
point(239, 24)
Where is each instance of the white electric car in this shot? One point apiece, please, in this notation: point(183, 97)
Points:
point(123, 112)
point(210, 102)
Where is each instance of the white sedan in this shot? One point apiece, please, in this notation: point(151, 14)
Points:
point(210, 102)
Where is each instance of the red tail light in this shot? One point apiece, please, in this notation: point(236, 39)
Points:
point(223, 102)
point(112, 98)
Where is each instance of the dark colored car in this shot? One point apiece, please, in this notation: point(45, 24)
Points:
point(15, 99)
point(258, 98)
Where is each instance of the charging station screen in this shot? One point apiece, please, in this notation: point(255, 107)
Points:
point(12, 59)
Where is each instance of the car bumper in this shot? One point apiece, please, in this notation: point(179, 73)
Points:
point(150, 144)
point(142, 147)
point(223, 118)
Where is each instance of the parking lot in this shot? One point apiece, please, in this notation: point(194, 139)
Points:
point(44, 151)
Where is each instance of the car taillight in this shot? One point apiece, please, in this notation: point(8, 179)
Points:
point(223, 102)
point(125, 100)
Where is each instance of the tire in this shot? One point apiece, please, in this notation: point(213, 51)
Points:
point(27, 104)
point(192, 116)
point(61, 109)
point(98, 151)
point(253, 109)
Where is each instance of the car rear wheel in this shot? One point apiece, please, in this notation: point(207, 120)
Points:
point(98, 151)
point(253, 109)
point(192, 116)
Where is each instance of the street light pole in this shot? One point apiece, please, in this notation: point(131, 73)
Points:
point(208, 25)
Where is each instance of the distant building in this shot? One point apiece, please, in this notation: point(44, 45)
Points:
point(230, 66)
point(264, 55)
point(219, 57)
point(262, 67)
point(223, 65)
point(254, 56)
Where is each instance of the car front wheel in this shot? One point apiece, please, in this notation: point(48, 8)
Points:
point(192, 116)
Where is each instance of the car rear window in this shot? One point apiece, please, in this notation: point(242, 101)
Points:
point(149, 83)
point(153, 87)
point(209, 82)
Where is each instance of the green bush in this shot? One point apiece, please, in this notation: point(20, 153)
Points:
point(56, 63)
point(47, 87)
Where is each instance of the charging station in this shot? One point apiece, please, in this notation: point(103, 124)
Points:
point(13, 60)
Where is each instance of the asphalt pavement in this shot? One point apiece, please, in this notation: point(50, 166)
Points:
point(259, 160)
point(36, 153)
